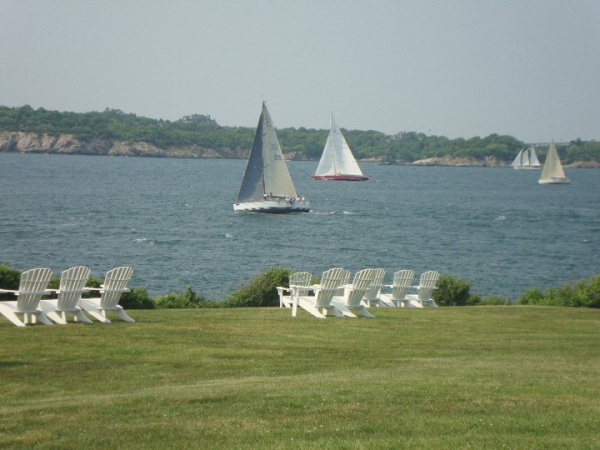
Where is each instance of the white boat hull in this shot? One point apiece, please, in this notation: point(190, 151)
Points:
point(280, 206)
point(340, 177)
point(555, 181)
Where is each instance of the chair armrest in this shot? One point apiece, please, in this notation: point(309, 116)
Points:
point(71, 291)
point(94, 289)
point(7, 291)
point(44, 292)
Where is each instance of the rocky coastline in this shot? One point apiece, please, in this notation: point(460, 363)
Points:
point(25, 142)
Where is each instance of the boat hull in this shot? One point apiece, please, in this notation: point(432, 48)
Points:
point(273, 207)
point(340, 177)
point(555, 181)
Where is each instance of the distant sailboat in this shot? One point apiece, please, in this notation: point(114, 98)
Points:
point(553, 173)
point(337, 161)
point(526, 159)
point(267, 186)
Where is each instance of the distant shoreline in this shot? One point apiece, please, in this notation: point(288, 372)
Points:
point(67, 144)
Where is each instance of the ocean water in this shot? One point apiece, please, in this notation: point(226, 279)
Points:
point(172, 220)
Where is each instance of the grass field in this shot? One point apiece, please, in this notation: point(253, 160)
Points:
point(481, 377)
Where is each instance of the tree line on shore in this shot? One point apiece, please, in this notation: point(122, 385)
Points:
point(300, 143)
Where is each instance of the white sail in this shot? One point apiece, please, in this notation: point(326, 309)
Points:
point(267, 185)
point(337, 161)
point(533, 159)
point(526, 159)
point(553, 173)
point(518, 160)
point(278, 182)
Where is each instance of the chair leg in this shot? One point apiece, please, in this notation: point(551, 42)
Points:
point(362, 310)
point(42, 318)
point(123, 315)
point(58, 318)
point(99, 316)
point(10, 315)
point(81, 317)
point(333, 310)
point(309, 308)
point(344, 311)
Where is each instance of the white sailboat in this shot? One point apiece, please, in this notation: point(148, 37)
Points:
point(553, 173)
point(337, 161)
point(267, 186)
point(526, 159)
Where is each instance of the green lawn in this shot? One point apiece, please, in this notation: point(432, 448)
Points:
point(482, 377)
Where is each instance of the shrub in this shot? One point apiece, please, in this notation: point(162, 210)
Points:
point(9, 279)
point(582, 293)
point(453, 292)
point(533, 296)
point(494, 300)
point(260, 291)
point(184, 300)
point(137, 298)
point(592, 292)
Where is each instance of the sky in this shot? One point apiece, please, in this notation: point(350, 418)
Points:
point(456, 68)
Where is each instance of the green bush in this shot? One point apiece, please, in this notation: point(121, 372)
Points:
point(260, 291)
point(184, 300)
point(453, 292)
point(494, 300)
point(9, 279)
point(533, 296)
point(137, 298)
point(582, 293)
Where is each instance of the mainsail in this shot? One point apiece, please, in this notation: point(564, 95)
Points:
point(553, 173)
point(266, 171)
point(337, 161)
point(533, 159)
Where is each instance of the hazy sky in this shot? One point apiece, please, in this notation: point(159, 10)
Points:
point(458, 68)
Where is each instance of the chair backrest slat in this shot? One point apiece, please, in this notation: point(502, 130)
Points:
point(427, 284)
point(300, 279)
point(72, 285)
point(375, 289)
point(363, 280)
point(401, 284)
point(330, 282)
point(115, 284)
point(32, 287)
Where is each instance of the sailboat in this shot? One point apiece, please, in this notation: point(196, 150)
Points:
point(267, 186)
point(553, 173)
point(337, 161)
point(526, 159)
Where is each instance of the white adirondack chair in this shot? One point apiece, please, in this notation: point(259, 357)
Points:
point(32, 287)
point(296, 280)
point(115, 285)
point(373, 294)
point(353, 294)
point(427, 285)
point(320, 305)
point(72, 285)
point(402, 281)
